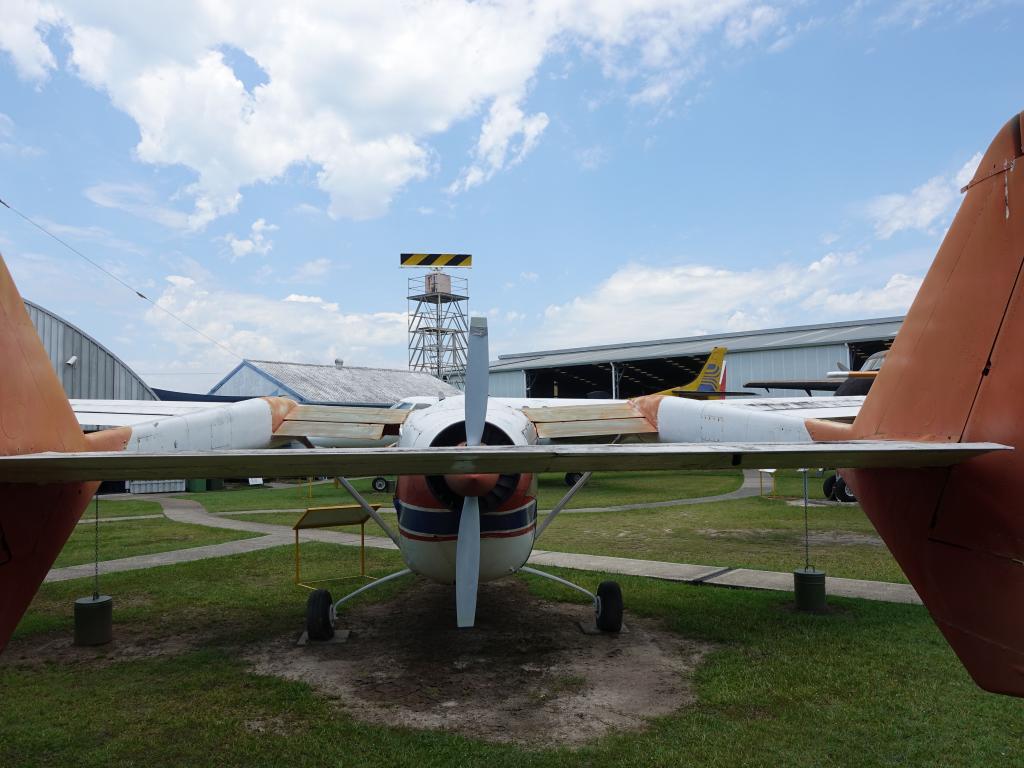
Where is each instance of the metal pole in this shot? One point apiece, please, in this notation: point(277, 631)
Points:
point(368, 509)
point(96, 550)
point(807, 533)
point(561, 504)
point(615, 384)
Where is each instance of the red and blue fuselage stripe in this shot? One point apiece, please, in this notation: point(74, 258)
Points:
point(443, 524)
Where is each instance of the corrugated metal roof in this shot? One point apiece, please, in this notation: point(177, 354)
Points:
point(349, 384)
point(772, 338)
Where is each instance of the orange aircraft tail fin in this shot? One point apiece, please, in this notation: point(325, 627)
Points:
point(35, 520)
point(958, 533)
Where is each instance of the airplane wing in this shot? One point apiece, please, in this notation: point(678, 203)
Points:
point(54, 467)
point(631, 417)
point(302, 421)
point(125, 413)
point(341, 422)
point(602, 419)
point(808, 385)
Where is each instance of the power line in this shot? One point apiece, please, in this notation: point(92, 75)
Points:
point(111, 275)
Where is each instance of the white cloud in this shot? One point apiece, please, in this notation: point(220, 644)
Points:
point(508, 135)
point(924, 208)
point(744, 30)
point(592, 158)
point(137, 200)
point(10, 147)
point(257, 242)
point(298, 328)
point(21, 36)
point(91, 233)
point(919, 209)
point(966, 173)
point(311, 270)
point(894, 297)
point(355, 91)
point(644, 302)
point(528, 277)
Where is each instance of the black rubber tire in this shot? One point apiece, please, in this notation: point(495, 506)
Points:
point(318, 615)
point(829, 487)
point(571, 478)
point(609, 614)
point(843, 492)
point(379, 484)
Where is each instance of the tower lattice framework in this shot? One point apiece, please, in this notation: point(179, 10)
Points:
point(438, 306)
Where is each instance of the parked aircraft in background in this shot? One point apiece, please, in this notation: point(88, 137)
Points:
point(931, 464)
point(841, 382)
point(845, 384)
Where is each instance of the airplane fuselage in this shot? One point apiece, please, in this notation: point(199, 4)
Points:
point(429, 508)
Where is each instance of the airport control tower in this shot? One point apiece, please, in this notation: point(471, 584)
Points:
point(438, 304)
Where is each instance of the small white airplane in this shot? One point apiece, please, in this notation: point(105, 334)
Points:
point(929, 451)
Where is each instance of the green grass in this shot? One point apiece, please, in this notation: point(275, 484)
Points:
point(297, 497)
point(765, 534)
point(140, 537)
point(122, 508)
point(869, 685)
point(790, 483)
point(604, 489)
point(614, 488)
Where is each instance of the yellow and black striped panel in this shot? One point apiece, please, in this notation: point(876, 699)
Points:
point(437, 260)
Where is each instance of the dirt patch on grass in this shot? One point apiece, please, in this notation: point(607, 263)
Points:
point(525, 674)
point(59, 647)
point(780, 534)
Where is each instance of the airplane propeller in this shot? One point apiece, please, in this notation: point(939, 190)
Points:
point(467, 548)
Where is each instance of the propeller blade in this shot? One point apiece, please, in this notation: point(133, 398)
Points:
point(476, 381)
point(467, 562)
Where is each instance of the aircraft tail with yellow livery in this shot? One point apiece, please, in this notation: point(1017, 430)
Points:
point(710, 379)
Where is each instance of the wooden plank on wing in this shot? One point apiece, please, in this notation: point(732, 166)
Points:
point(595, 428)
point(330, 429)
point(581, 412)
point(341, 413)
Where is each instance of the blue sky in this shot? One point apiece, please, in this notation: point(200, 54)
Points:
point(619, 170)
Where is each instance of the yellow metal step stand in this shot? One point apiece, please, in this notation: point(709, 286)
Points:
point(330, 517)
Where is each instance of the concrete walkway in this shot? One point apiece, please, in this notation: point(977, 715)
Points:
point(91, 520)
point(193, 513)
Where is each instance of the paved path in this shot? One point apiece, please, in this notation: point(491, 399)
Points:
point(91, 520)
point(140, 562)
point(191, 512)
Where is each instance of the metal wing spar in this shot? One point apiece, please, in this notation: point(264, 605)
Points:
point(68, 467)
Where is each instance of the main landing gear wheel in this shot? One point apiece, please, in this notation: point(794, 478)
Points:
point(609, 607)
point(379, 484)
point(320, 615)
point(843, 492)
point(571, 478)
point(829, 487)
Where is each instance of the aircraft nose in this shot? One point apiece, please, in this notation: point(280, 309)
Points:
point(472, 485)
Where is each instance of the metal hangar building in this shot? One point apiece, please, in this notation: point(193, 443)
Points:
point(336, 384)
point(640, 368)
point(86, 368)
